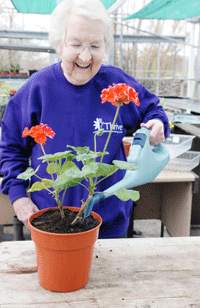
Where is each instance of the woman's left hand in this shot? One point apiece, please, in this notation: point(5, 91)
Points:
point(157, 131)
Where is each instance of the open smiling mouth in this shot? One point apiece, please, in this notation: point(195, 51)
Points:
point(82, 66)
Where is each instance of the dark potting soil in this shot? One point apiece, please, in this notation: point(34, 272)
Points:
point(51, 221)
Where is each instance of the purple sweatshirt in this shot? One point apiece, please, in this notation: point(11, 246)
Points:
point(74, 113)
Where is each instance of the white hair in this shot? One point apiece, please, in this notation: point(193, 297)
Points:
point(93, 9)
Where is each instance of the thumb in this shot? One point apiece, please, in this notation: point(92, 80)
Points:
point(148, 125)
point(34, 208)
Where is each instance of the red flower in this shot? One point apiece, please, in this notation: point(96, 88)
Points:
point(25, 132)
point(40, 138)
point(39, 133)
point(35, 130)
point(48, 131)
point(120, 93)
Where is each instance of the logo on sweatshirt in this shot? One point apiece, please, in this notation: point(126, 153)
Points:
point(100, 124)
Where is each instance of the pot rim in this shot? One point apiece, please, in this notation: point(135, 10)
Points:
point(75, 209)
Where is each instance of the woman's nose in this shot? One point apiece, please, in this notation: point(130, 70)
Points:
point(85, 55)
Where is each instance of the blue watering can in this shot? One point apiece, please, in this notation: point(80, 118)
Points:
point(149, 160)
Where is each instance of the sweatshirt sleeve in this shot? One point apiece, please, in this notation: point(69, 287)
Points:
point(151, 110)
point(15, 150)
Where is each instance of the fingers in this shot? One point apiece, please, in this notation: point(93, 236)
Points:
point(24, 208)
point(157, 131)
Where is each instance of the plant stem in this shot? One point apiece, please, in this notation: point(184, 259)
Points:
point(47, 161)
point(59, 203)
point(95, 143)
point(63, 196)
point(81, 211)
point(43, 149)
point(105, 147)
point(106, 144)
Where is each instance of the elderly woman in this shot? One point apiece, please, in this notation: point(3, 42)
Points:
point(66, 96)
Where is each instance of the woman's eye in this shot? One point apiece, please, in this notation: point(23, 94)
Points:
point(94, 47)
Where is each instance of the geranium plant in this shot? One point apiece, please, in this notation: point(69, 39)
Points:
point(62, 167)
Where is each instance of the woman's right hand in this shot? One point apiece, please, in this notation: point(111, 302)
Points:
point(24, 208)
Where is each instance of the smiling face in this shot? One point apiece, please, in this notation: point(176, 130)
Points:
point(83, 49)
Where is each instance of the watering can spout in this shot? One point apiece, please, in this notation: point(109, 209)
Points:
point(149, 160)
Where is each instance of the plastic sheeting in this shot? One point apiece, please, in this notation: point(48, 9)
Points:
point(168, 9)
point(44, 6)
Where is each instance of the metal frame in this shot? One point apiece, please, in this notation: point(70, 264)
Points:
point(121, 38)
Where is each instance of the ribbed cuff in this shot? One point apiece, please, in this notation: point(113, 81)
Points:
point(17, 191)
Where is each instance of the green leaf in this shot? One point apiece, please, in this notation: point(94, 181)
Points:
point(90, 169)
point(126, 194)
point(69, 178)
point(67, 165)
point(79, 150)
point(53, 168)
point(26, 175)
point(84, 153)
point(37, 186)
point(58, 156)
point(86, 156)
point(124, 165)
point(47, 183)
point(106, 170)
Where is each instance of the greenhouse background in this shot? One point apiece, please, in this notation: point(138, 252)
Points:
point(158, 45)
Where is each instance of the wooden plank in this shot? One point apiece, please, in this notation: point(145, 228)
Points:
point(189, 129)
point(166, 176)
point(131, 273)
point(182, 104)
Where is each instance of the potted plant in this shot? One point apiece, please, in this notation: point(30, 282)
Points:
point(12, 92)
point(57, 271)
point(17, 68)
point(4, 70)
point(7, 88)
point(127, 146)
point(13, 70)
point(21, 73)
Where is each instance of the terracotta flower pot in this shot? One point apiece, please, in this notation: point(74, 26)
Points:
point(12, 92)
point(64, 260)
point(22, 73)
point(13, 73)
point(4, 73)
point(127, 146)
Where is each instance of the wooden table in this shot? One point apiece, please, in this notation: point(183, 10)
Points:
point(142, 273)
point(168, 198)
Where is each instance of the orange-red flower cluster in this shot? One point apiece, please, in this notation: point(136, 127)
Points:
point(120, 93)
point(39, 133)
